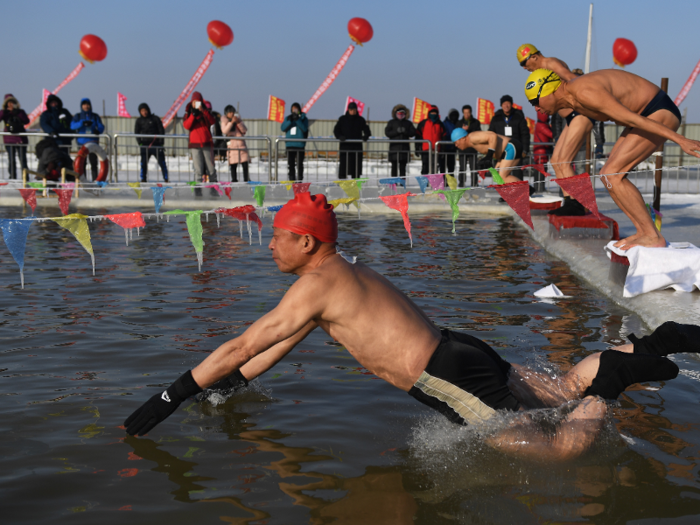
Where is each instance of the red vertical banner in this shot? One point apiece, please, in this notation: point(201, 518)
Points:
point(421, 108)
point(530, 125)
point(42, 107)
point(516, 106)
point(484, 110)
point(329, 79)
point(688, 84)
point(121, 106)
point(189, 88)
point(360, 105)
point(275, 109)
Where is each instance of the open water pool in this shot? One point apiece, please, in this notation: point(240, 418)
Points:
point(318, 439)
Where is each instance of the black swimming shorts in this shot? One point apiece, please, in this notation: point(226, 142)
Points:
point(465, 380)
point(573, 115)
point(659, 102)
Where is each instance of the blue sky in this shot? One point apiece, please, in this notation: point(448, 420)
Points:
point(448, 53)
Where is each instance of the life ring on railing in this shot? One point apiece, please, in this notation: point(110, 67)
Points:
point(81, 160)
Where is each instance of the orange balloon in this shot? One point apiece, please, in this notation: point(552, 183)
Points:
point(360, 30)
point(220, 34)
point(624, 52)
point(93, 48)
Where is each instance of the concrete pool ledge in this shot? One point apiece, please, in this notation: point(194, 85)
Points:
point(587, 259)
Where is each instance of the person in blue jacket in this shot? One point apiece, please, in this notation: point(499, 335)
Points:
point(295, 126)
point(88, 123)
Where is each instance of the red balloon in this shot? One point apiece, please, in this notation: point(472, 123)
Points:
point(624, 52)
point(360, 30)
point(220, 34)
point(93, 48)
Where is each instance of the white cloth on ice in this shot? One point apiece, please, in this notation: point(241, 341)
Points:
point(550, 291)
point(677, 266)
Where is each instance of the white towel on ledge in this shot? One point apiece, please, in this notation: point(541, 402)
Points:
point(677, 266)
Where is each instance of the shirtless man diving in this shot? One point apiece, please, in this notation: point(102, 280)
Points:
point(578, 126)
point(454, 373)
point(507, 151)
point(651, 118)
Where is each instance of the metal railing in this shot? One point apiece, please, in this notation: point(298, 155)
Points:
point(371, 161)
point(126, 156)
point(34, 138)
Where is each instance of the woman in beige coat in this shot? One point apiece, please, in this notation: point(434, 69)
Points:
point(237, 152)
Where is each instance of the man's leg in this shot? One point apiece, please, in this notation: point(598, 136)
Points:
point(342, 167)
point(565, 151)
point(451, 161)
point(505, 168)
point(402, 167)
point(211, 166)
point(631, 148)
point(300, 163)
point(425, 168)
point(11, 161)
point(145, 155)
point(291, 162)
point(245, 171)
point(160, 157)
point(93, 165)
point(198, 166)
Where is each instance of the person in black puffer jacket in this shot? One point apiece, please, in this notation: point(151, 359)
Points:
point(56, 120)
point(399, 128)
point(510, 122)
point(150, 124)
point(351, 126)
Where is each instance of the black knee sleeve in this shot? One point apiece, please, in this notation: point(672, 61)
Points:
point(669, 338)
point(618, 370)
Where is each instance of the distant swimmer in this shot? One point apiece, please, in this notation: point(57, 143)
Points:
point(651, 118)
point(578, 126)
point(454, 373)
point(503, 153)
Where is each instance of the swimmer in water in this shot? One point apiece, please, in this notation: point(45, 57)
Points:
point(651, 118)
point(505, 151)
point(457, 374)
point(578, 126)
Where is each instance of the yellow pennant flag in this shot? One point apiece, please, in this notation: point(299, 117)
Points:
point(77, 225)
point(287, 184)
point(351, 190)
point(451, 181)
point(345, 200)
point(136, 186)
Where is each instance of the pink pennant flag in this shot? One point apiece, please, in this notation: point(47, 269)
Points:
point(29, 196)
point(580, 188)
point(437, 182)
point(189, 88)
point(121, 106)
point(227, 191)
point(64, 197)
point(360, 105)
point(217, 188)
point(400, 204)
point(300, 187)
point(517, 196)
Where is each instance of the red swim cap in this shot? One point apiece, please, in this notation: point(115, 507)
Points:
point(311, 214)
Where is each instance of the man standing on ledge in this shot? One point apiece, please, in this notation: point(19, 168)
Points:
point(651, 118)
point(457, 374)
point(577, 126)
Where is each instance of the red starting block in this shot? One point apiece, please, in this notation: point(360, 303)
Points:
point(583, 227)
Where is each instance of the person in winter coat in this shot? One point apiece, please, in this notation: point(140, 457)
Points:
point(351, 126)
point(295, 126)
point(468, 156)
point(543, 133)
point(198, 121)
point(15, 119)
point(56, 120)
point(88, 123)
point(399, 128)
point(449, 151)
point(150, 124)
point(433, 130)
point(219, 144)
point(232, 126)
point(52, 159)
point(511, 123)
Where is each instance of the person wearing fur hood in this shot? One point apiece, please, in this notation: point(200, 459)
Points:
point(399, 127)
point(15, 119)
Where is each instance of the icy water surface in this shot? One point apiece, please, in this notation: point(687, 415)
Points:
point(317, 439)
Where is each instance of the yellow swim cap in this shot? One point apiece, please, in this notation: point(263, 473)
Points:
point(540, 83)
point(525, 51)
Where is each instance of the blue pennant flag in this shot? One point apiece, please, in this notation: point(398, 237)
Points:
point(158, 196)
point(14, 232)
point(275, 208)
point(255, 182)
point(393, 180)
point(102, 183)
point(422, 182)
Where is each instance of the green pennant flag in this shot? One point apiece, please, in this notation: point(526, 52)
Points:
point(194, 228)
point(453, 197)
point(360, 182)
point(259, 193)
point(192, 183)
point(496, 176)
point(36, 185)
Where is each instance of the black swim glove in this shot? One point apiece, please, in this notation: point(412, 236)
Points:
point(669, 338)
point(232, 382)
point(160, 406)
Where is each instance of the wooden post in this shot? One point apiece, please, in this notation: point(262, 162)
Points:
point(683, 121)
point(588, 153)
point(659, 161)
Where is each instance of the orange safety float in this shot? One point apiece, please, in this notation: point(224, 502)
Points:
point(81, 160)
